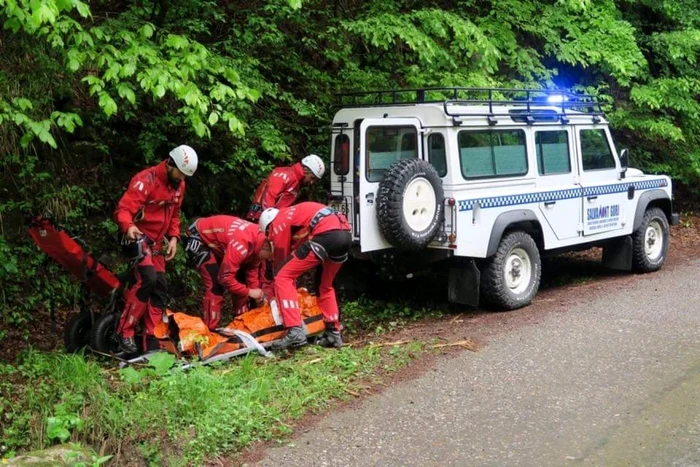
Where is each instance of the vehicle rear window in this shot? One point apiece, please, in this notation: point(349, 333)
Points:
point(552, 152)
point(386, 145)
point(341, 155)
point(492, 153)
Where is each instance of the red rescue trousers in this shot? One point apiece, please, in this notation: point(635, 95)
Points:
point(335, 245)
point(147, 297)
point(214, 294)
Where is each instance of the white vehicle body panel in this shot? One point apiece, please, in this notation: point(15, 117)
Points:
point(571, 208)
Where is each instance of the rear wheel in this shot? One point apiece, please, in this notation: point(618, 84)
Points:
point(104, 336)
point(511, 277)
point(650, 241)
point(76, 334)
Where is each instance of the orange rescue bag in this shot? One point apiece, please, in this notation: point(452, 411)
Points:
point(185, 334)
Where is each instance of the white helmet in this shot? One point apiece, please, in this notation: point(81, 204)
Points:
point(267, 216)
point(314, 164)
point(185, 159)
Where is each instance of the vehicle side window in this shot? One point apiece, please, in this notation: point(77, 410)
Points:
point(552, 152)
point(493, 153)
point(341, 155)
point(436, 153)
point(595, 150)
point(386, 145)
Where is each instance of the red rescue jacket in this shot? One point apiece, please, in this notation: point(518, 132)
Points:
point(237, 243)
point(217, 232)
point(279, 190)
point(291, 227)
point(151, 204)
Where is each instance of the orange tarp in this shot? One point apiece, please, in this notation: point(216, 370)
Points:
point(189, 335)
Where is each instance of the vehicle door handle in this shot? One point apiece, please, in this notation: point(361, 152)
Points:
point(591, 198)
point(550, 203)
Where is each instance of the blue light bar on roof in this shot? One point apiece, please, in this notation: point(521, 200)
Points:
point(556, 99)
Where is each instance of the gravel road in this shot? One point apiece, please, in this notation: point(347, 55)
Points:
point(613, 380)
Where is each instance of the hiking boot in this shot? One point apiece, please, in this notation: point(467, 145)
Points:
point(330, 338)
point(128, 345)
point(295, 337)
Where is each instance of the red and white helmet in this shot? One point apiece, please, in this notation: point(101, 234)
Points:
point(267, 216)
point(185, 159)
point(314, 164)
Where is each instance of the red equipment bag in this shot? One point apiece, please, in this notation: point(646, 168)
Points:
point(72, 253)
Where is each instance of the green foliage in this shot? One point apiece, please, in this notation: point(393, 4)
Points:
point(176, 417)
point(60, 425)
point(366, 315)
point(91, 92)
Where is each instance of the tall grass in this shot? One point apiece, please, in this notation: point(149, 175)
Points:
point(179, 418)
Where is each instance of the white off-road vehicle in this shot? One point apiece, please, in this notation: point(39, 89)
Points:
point(484, 182)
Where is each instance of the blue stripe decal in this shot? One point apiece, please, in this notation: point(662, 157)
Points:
point(543, 196)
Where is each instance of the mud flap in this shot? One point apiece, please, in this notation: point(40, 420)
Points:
point(463, 284)
point(618, 254)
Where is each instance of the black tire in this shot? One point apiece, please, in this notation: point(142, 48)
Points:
point(104, 335)
point(654, 228)
point(391, 196)
point(495, 289)
point(77, 331)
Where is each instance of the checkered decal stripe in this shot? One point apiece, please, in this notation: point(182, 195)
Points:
point(541, 197)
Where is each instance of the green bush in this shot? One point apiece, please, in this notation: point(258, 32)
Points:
point(178, 417)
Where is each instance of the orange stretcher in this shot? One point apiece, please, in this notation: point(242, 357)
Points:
point(187, 336)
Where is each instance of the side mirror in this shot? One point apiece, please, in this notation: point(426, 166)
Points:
point(624, 162)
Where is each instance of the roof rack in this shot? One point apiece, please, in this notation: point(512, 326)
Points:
point(527, 102)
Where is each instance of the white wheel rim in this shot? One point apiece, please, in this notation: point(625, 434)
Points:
point(518, 270)
point(653, 240)
point(419, 204)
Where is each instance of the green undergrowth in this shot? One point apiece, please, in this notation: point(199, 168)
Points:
point(366, 316)
point(175, 417)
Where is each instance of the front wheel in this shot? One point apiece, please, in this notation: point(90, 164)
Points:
point(650, 241)
point(511, 277)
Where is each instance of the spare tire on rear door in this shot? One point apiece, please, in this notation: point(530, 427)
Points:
point(410, 204)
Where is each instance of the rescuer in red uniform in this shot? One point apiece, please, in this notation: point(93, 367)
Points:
point(281, 188)
point(148, 213)
point(317, 235)
point(219, 247)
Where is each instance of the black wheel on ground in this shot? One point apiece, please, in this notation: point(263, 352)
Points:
point(650, 241)
point(511, 277)
point(104, 335)
point(410, 206)
point(76, 333)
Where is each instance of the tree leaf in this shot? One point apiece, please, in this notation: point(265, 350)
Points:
point(234, 125)
point(11, 267)
point(22, 103)
point(73, 65)
point(125, 92)
point(127, 70)
point(146, 31)
point(56, 429)
point(161, 362)
point(45, 136)
point(83, 9)
point(26, 140)
point(213, 118)
point(109, 107)
point(130, 375)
